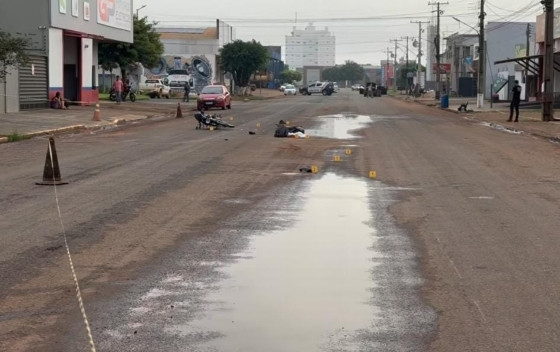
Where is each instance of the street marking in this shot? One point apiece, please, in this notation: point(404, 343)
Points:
point(482, 197)
point(455, 267)
point(480, 311)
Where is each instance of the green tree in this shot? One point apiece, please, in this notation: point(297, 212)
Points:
point(332, 74)
point(146, 48)
point(242, 59)
point(351, 71)
point(290, 76)
point(12, 53)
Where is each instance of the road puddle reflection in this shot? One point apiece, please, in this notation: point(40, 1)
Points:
point(339, 126)
point(321, 267)
point(303, 285)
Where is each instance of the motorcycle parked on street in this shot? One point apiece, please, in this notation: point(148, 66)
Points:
point(126, 93)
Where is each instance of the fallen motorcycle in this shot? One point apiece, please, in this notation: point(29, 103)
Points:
point(209, 120)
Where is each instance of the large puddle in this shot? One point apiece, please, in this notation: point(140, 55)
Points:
point(340, 126)
point(303, 287)
point(328, 272)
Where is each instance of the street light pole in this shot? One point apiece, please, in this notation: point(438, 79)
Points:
point(480, 79)
point(138, 9)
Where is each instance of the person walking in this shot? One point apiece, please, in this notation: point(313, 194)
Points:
point(516, 90)
point(118, 88)
point(187, 92)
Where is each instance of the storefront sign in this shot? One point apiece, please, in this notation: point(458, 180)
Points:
point(62, 6)
point(115, 13)
point(443, 68)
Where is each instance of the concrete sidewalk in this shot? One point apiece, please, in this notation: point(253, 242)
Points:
point(496, 116)
point(80, 118)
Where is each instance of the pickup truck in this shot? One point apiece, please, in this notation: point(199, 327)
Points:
point(317, 88)
point(155, 88)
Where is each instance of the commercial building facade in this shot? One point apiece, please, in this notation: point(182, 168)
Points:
point(64, 35)
point(310, 47)
point(195, 50)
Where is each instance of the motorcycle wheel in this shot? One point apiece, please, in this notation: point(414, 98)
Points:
point(132, 97)
point(112, 97)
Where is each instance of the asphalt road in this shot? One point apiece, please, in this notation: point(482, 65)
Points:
point(463, 219)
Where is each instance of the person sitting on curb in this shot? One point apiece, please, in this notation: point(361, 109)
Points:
point(58, 103)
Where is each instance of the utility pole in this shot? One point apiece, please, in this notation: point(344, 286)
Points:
point(437, 43)
point(419, 52)
point(548, 60)
point(481, 59)
point(387, 69)
point(395, 64)
point(527, 53)
point(407, 80)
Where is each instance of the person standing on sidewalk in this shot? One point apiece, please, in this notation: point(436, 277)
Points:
point(187, 92)
point(118, 88)
point(516, 90)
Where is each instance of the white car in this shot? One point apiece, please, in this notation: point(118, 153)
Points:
point(155, 88)
point(290, 89)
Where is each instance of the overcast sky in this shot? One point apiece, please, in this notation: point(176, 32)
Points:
point(362, 28)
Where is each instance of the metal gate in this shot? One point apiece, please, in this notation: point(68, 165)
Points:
point(33, 84)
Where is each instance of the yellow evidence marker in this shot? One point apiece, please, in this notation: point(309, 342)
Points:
point(211, 128)
point(372, 174)
point(258, 125)
point(314, 169)
point(336, 158)
point(231, 118)
point(348, 151)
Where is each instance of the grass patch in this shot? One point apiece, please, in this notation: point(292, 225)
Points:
point(105, 96)
point(14, 137)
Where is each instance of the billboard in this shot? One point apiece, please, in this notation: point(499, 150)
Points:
point(539, 36)
point(444, 68)
point(115, 13)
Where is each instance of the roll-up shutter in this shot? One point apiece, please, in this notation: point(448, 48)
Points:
point(33, 84)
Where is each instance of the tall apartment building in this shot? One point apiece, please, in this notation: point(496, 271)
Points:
point(310, 47)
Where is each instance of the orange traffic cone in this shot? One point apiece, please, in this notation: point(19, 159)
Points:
point(97, 114)
point(179, 111)
point(51, 172)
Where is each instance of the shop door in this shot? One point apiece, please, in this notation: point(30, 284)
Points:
point(71, 82)
point(33, 84)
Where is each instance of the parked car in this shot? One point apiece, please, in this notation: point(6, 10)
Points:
point(155, 88)
point(216, 96)
point(282, 87)
point(290, 89)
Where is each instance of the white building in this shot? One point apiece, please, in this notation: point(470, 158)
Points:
point(310, 47)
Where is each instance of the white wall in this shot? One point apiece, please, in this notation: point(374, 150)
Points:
point(87, 62)
point(56, 63)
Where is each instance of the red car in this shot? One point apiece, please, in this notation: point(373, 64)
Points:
point(214, 96)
